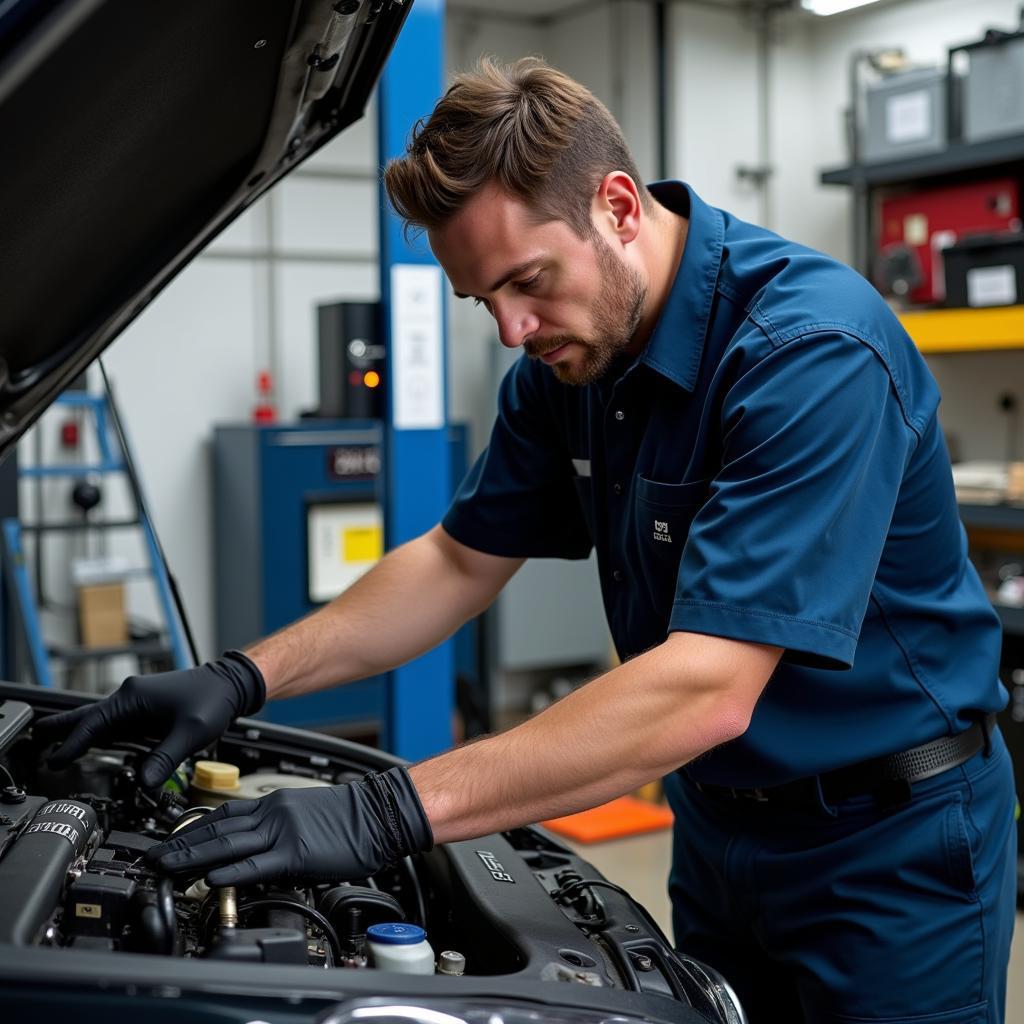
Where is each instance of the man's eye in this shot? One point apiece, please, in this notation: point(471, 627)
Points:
point(531, 282)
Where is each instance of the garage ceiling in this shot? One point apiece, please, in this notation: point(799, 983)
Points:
point(531, 10)
point(526, 9)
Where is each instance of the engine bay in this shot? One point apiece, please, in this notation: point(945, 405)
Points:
point(73, 874)
point(73, 877)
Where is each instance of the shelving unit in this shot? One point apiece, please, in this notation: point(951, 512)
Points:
point(950, 331)
point(958, 158)
point(167, 648)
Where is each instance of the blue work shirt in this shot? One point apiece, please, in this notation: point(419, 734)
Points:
point(770, 469)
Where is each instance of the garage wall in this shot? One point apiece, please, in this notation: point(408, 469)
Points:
point(713, 57)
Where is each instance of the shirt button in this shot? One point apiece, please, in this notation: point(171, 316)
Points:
point(619, 414)
point(618, 575)
point(617, 488)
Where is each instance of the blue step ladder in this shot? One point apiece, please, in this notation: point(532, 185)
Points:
point(114, 458)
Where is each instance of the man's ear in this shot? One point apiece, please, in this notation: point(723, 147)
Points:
point(617, 206)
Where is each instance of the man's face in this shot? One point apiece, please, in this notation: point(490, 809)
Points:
point(572, 303)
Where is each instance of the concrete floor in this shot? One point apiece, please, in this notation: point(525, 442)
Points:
point(641, 865)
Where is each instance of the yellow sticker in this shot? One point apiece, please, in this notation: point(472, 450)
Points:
point(88, 910)
point(362, 543)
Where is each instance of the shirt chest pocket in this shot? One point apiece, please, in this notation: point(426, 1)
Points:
point(663, 515)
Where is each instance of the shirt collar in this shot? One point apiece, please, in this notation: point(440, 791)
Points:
point(676, 345)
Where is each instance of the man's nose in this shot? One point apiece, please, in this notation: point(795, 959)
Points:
point(515, 325)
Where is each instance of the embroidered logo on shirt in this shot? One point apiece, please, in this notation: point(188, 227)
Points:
point(661, 531)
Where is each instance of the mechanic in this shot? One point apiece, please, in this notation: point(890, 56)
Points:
point(748, 437)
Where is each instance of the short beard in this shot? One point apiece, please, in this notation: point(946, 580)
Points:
point(616, 316)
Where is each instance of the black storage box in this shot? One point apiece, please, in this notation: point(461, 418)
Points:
point(985, 270)
point(351, 347)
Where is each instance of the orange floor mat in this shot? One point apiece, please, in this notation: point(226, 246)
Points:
point(625, 816)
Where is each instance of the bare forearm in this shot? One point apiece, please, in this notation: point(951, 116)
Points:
point(631, 725)
point(414, 598)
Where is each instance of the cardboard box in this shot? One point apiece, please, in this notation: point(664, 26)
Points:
point(101, 615)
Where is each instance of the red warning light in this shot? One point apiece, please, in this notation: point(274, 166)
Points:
point(355, 378)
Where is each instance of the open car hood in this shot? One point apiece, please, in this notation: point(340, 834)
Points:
point(133, 133)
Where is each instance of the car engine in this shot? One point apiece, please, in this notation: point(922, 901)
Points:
point(73, 876)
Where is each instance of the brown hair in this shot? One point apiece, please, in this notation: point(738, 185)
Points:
point(534, 131)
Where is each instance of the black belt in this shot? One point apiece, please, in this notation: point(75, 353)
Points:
point(889, 778)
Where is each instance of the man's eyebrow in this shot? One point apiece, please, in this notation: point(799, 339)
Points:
point(518, 269)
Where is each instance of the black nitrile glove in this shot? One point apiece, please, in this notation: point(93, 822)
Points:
point(334, 833)
point(187, 709)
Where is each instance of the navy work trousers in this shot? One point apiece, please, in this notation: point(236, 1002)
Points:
point(845, 913)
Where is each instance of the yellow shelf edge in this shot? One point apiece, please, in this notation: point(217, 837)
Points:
point(998, 328)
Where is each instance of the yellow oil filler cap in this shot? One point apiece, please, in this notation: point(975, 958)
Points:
point(215, 777)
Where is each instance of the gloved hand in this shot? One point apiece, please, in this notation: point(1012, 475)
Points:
point(318, 834)
point(187, 709)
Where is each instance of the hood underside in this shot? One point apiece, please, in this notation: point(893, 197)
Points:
point(133, 133)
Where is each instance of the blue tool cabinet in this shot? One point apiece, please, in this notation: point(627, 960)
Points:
point(267, 479)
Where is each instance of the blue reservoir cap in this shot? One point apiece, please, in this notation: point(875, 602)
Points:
point(396, 934)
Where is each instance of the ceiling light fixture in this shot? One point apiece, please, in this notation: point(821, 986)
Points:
point(825, 7)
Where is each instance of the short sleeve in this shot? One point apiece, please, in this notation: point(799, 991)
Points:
point(519, 499)
point(787, 546)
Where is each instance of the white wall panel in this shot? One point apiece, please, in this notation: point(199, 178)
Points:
point(971, 384)
point(634, 85)
point(312, 215)
point(794, 141)
point(713, 68)
point(582, 45)
point(469, 36)
point(186, 364)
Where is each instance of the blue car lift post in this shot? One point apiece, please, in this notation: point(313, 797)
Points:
point(417, 488)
